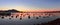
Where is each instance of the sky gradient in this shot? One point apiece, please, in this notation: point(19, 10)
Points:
point(29, 5)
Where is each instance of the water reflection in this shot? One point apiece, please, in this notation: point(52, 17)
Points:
point(2, 17)
point(29, 15)
point(16, 16)
point(20, 18)
point(37, 18)
point(30, 18)
point(12, 16)
point(9, 18)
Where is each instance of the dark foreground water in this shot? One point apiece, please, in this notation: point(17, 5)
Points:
point(28, 19)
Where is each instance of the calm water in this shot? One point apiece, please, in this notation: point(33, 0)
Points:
point(28, 18)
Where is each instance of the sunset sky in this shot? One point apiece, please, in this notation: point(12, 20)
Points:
point(30, 5)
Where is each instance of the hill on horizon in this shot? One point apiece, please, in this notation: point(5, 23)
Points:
point(14, 10)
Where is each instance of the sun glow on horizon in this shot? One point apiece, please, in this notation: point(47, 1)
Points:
point(26, 9)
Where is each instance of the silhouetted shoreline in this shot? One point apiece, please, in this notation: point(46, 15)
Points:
point(54, 22)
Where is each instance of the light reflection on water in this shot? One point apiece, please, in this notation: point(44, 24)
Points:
point(28, 19)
